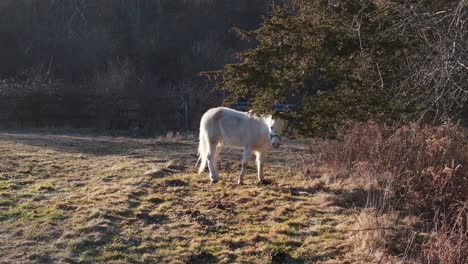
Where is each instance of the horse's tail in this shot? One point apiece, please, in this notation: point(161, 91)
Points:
point(202, 150)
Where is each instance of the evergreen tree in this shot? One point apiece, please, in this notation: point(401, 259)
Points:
point(357, 60)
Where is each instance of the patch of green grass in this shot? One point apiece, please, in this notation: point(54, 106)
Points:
point(8, 186)
point(26, 212)
point(7, 202)
point(119, 249)
point(3, 176)
point(46, 188)
point(6, 215)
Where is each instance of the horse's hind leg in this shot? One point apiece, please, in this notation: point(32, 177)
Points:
point(245, 159)
point(218, 150)
point(212, 160)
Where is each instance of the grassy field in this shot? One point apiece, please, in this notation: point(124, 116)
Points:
point(80, 198)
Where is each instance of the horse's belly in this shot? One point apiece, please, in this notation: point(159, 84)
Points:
point(233, 142)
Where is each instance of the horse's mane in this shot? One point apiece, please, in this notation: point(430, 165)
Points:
point(251, 114)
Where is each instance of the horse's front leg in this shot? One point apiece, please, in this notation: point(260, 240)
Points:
point(260, 159)
point(245, 159)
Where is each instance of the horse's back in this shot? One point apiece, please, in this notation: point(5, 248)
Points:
point(223, 115)
point(225, 124)
point(210, 121)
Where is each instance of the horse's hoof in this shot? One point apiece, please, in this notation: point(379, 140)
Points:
point(240, 183)
point(214, 181)
point(261, 182)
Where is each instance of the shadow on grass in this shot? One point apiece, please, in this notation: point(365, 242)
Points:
point(99, 146)
point(361, 198)
point(201, 258)
point(278, 257)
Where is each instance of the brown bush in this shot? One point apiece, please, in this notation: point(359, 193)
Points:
point(427, 165)
point(421, 169)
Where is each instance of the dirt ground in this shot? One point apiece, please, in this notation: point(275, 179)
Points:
point(71, 198)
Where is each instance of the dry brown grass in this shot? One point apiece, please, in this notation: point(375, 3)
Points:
point(78, 198)
point(372, 233)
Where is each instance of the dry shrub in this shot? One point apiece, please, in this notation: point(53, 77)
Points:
point(177, 136)
point(36, 80)
point(372, 233)
point(420, 169)
point(115, 80)
point(424, 164)
point(448, 242)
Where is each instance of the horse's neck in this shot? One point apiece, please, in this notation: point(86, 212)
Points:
point(263, 125)
point(264, 122)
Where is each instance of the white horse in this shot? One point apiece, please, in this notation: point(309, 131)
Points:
point(223, 126)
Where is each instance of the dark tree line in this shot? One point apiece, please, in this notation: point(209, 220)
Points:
point(123, 54)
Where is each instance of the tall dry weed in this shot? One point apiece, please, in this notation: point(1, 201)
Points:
point(448, 240)
point(421, 169)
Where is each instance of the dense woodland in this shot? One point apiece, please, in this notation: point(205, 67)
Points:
point(115, 64)
point(137, 64)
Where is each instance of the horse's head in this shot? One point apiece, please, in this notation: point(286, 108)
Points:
point(274, 127)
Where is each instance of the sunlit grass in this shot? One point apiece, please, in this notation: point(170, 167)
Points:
point(68, 202)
